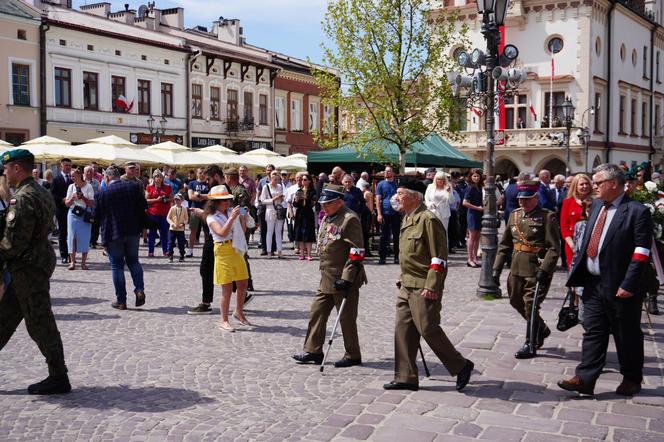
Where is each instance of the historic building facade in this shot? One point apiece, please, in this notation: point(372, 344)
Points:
point(19, 63)
point(604, 55)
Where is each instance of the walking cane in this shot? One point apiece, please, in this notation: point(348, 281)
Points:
point(334, 329)
point(426, 369)
point(531, 342)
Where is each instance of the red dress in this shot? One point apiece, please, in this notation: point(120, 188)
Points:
point(570, 213)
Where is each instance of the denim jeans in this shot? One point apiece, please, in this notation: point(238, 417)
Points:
point(120, 252)
point(163, 233)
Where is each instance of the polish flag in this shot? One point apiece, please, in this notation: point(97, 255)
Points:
point(476, 112)
point(532, 111)
point(122, 103)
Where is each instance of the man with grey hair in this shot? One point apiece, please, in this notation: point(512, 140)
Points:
point(611, 265)
point(120, 209)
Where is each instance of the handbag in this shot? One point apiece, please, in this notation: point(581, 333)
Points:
point(281, 210)
point(568, 316)
point(78, 211)
point(89, 216)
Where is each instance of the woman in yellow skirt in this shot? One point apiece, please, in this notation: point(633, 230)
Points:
point(227, 228)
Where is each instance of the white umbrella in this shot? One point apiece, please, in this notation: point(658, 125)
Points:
point(297, 156)
point(217, 148)
point(290, 163)
point(45, 148)
point(262, 152)
point(113, 149)
point(3, 143)
point(261, 157)
point(175, 154)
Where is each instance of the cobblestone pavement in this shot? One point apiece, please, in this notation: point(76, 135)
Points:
point(158, 374)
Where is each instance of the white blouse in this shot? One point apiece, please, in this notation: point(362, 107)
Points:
point(438, 201)
point(86, 189)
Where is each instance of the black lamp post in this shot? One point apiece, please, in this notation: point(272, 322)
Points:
point(568, 116)
point(156, 131)
point(493, 15)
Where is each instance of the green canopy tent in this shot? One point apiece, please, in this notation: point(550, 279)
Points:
point(432, 151)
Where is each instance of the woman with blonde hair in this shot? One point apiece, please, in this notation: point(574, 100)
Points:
point(573, 209)
point(227, 227)
point(437, 198)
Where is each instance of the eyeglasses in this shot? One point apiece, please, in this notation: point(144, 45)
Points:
point(305, 179)
point(284, 174)
point(599, 183)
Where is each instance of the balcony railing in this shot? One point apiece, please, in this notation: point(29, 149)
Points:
point(519, 138)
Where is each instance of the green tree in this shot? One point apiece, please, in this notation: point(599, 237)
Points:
point(391, 56)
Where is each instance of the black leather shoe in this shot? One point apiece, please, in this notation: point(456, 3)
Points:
point(525, 353)
point(51, 385)
point(140, 297)
point(309, 358)
point(118, 306)
point(542, 335)
point(394, 385)
point(65, 260)
point(628, 388)
point(464, 375)
point(346, 362)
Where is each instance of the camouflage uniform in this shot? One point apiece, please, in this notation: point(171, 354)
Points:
point(30, 259)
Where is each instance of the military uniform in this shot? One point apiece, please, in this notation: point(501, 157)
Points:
point(423, 262)
point(30, 259)
point(533, 241)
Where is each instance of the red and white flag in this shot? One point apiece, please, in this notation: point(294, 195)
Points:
point(122, 103)
point(476, 111)
point(532, 111)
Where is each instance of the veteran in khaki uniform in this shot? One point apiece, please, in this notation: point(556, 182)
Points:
point(342, 272)
point(532, 238)
point(423, 262)
point(30, 259)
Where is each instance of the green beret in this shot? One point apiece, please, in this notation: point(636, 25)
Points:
point(17, 154)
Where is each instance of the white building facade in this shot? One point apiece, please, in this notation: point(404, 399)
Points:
point(605, 56)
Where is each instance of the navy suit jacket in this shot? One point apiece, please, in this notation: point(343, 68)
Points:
point(547, 197)
point(59, 191)
point(120, 210)
point(511, 202)
point(630, 227)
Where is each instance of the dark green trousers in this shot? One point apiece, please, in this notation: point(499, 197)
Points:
point(27, 297)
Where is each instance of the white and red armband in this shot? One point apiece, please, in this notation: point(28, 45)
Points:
point(641, 254)
point(437, 264)
point(356, 254)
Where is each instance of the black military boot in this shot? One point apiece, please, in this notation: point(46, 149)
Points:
point(51, 385)
point(543, 333)
point(524, 352)
point(652, 304)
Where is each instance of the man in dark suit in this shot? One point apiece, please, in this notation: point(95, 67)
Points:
point(616, 247)
point(560, 193)
point(59, 188)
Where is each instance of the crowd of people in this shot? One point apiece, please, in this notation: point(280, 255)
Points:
point(335, 217)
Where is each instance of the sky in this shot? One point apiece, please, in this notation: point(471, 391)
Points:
point(288, 26)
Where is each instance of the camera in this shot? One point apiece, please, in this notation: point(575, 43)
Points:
point(243, 210)
point(163, 198)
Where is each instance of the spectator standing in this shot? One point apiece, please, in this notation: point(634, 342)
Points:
point(91, 178)
point(272, 197)
point(121, 208)
point(362, 180)
point(472, 200)
point(387, 217)
point(159, 198)
point(459, 184)
point(249, 184)
point(430, 174)
point(79, 199)
point(261, 209)
point(353, 197)
point(197, 190)
point(177, 218)
point(547, 198)
point(227, 229)
point(47, 182)
point(437, 198)
point(59, 191)
point(290, 210)
point(35, 175)
point(173, 181)
point(336, 176)
point(305, 224)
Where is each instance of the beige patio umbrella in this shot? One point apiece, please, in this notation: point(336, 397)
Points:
point(217, 148)
point(261, 156)
point(4, 144)
point(48, 148)
point(113, 149)
point(175, 154)
point(296, 161)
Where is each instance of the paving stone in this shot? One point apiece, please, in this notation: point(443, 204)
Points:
point(584, 430)
point(502, 434)
point(361, 432)
point(511, 421)
point(533, 436)
point(467, 429)
point(618, 420)
point(423, 423)
point(624, 435)
point(389, 434)
point(369, 419)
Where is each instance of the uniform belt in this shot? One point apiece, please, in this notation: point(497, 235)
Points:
point(524, 248)
point(228, 241)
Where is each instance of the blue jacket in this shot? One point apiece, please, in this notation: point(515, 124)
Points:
point(511, 202)
point(547, 197)
point(120, 210)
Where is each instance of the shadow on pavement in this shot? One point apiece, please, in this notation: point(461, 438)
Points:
point(282, 314)
point(293, 331)
point(84, 316)
point(123, 397)
point(80, 300)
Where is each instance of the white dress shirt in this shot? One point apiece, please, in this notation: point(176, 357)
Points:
point(593, 263)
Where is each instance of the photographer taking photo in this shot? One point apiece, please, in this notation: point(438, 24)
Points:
point(159, 197)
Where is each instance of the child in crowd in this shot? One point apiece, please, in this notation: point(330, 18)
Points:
point(177, 218)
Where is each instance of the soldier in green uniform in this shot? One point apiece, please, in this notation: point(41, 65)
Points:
point(423, 262)
point(531, 237)
point(342, 273)
point(30, 259)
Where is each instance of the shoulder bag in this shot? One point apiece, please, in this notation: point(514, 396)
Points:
point(568, 316)
point(281, 210)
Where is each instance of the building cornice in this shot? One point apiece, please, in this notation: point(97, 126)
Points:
point(296, 76)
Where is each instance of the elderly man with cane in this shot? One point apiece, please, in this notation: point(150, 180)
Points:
point(342, 274)
point(423, 262)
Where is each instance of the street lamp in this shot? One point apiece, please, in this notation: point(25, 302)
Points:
point(156, 132)
point(568, 116)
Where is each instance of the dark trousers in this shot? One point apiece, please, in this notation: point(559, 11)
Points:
point(61, 216)
point(605, 315)
point(207, 270)
point(290, 228)
point(391, 225)
point(94, 233)
point(453, 229)
point(463, 226)
point(27, 298)
point(365, 219)
point(174, 235)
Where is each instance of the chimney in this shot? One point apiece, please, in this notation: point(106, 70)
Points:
point(227, 30)
point(99, 9)
point(173, 17)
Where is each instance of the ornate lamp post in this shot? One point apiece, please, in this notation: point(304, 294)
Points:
point(156, 131)
point(568, 116)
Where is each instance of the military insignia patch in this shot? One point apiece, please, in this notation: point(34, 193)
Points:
point(11, 215)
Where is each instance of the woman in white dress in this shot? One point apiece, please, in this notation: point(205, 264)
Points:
point(437, 198)
point(272, 197)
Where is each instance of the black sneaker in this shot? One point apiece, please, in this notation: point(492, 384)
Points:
point(51, 385)
point(140, 297)
point(200, 309)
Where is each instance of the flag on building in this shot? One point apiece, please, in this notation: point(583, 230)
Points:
point(532, 111)
point(123, 104)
